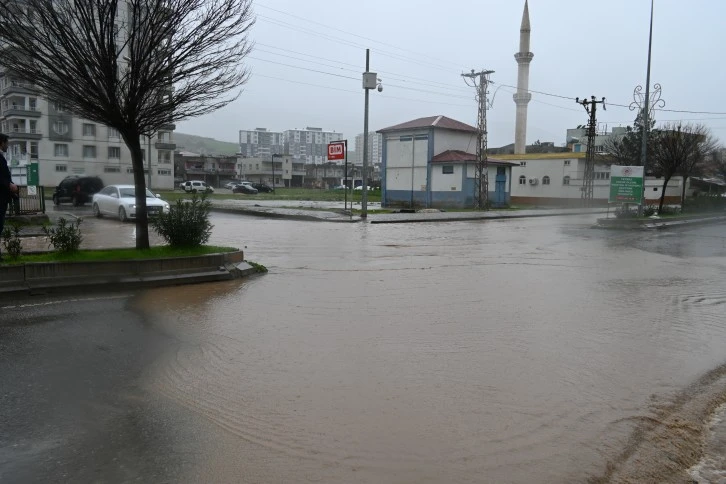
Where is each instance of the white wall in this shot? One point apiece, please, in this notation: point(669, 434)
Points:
point(406, 161)
point(445, 140)
point(441, 182)
point(492, 173)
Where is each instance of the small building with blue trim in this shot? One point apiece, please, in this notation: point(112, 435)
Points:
point(428, 162)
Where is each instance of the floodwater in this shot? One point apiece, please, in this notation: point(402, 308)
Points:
point(530, 350)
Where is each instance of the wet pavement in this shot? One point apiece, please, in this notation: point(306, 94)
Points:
point(527, 350)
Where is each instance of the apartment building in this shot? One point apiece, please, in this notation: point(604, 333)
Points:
point(375, 149)
point(310, 144)
point(260, 143)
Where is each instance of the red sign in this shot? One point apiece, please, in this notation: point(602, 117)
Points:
point(336, 151)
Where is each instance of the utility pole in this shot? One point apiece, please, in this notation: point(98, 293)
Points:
point(587, 182)
point(646, 120)
point(480, 81)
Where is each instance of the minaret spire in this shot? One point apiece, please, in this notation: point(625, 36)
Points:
point(522, 96)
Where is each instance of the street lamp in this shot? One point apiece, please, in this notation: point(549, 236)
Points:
point(370, 81)
point(273, 170)
point(646, 120)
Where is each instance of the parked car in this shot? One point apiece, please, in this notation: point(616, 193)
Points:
point(262, 187)
point(194, 186)
point(77, 189)
point(244, 188)
point(232, 184)
point(120, 201)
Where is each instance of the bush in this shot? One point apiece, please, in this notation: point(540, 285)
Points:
point(11, 241)
point(186, 224)
point(649, 210)
point(64, 237)
point(668, 210)
point(705, 203)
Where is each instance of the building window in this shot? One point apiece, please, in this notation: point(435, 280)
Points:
point(163, 172)
point(33, 149)
point(113, 133)
point(62, 168)
point(111, 169)
point(114, 152)
point(89, 129)
point(566, 180)
point(59, 107)
point(60, 128)
point(567, 162)
point(89, 151)
point(60, 149)
point(545, 180)
point(447, 169)
point(602, 175)
point(522, 163)
point(522, 180)
point(130, 169)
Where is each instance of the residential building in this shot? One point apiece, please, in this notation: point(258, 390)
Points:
point(426, 164)
point(556, 179)
point(260, 143)
point(577, 138)
point(310, 144)
point(213, 170)
point(375, 149)
point(285, 171)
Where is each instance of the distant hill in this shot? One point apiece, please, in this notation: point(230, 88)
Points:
point(206, 146)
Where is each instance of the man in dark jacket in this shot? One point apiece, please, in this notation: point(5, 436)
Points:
point(8, 189)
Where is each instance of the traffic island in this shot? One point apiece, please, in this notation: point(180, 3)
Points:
point(46, 277)
point(630, 223)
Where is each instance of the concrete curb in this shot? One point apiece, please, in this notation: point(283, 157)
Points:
point(630, 224)
point(276, 213)
point(47, 277)
point(428, 217)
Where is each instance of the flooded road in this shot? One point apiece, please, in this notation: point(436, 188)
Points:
point(530, 350)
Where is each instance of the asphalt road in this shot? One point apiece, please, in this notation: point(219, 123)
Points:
point(72, 406)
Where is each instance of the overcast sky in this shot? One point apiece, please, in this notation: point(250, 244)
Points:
point(419, 50)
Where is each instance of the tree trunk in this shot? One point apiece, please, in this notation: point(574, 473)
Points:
point(137, 161)
point(662, 194)
point(683, 193)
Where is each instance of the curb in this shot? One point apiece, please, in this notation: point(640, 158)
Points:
point(279, 215)
point(483, 216)
point(630, 224)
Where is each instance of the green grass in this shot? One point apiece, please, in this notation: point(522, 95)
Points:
point(297, 194)
point(119, 254)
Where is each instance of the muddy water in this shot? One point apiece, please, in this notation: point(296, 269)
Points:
point(533, 350)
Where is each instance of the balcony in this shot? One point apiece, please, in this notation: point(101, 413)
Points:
point(25, 133)
point(165, 145)
point(19, 88)
point(168, 127)
point(19, 110)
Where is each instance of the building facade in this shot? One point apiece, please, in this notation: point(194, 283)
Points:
point(310, 144)
point(577, 139)
point(213, 170)
point(375, 149)
point(260, 143)
point(426, 164)
point(284, 171)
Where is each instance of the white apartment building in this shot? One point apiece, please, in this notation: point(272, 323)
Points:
point(375, 149)
point(63, 144)
point(310, 144)
point(260, 143)
point(577, 139)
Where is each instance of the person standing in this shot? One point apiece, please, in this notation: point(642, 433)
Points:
point(8, 189)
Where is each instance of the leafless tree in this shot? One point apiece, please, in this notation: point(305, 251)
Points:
point(694, 164)
point(676, 145)
point(134, 65)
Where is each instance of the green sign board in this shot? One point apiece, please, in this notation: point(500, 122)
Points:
point(626, 184)
point(33, 178)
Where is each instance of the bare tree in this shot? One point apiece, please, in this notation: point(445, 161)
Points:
point(694, 163)
point(134, 65)
point(674, 146)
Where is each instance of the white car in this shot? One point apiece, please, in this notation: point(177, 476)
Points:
point(120, 201)
point(195, 186)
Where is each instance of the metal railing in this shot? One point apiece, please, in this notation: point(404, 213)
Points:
point(27, 204)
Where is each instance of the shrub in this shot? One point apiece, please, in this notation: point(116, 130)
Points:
point(649, 210)
point(11, 241)
point(186, 224)
point(65, 237)
point(259, 268)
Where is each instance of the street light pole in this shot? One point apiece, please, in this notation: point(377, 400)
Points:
point(646, 112)
point(370, 81)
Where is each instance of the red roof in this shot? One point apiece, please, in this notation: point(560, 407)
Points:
point(458, 156)
point(441, 122)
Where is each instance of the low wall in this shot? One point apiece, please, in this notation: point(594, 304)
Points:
point(35, 275)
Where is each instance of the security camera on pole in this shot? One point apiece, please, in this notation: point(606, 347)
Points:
point(370, 81)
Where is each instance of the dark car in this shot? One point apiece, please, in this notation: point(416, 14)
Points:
point(77, 190)
point(244, 188)
point(262, 188)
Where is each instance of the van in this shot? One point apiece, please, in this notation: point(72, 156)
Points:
point(77, 190)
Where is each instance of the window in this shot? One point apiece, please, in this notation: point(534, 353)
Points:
point(522, 180)
point(114, 152)
point(447, 169)
point(130, 169)
point(567, 162)
point(163, 172)
point(566, 180)
point(62, 168)
point(602, 175)
point(59, 107)
point(111, 169)
point(60, 127)
point(522, 163)
point(33, 149)
point(89, 129)
point(60, 149)
point(89, 151)
point(113, 133)
point(545, 180)
point(165, 157)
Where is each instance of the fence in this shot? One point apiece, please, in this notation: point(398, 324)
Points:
point(27, 204)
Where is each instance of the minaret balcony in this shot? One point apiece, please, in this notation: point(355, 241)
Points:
point(524, 57)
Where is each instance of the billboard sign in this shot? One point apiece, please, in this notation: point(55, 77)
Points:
point(626, 184)
point(336, 151)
